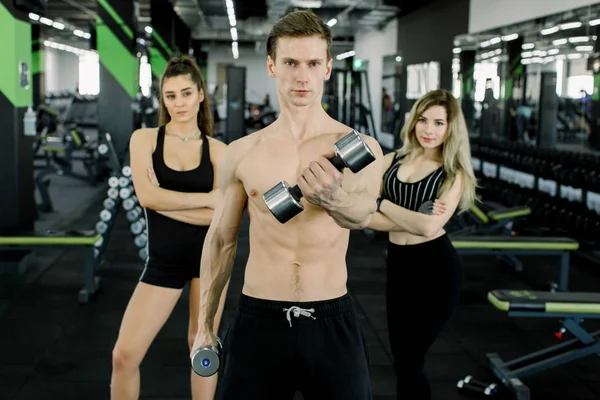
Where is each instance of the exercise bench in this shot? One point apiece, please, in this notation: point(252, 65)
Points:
point(571, 308)
point(85, 240)
point(507, 248)
point(498, 220)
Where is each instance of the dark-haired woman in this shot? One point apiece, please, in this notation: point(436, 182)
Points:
point(174, 172)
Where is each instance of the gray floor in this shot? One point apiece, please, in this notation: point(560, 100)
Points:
point(53, 348)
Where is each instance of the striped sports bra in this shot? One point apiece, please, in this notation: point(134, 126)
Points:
point(411, 195)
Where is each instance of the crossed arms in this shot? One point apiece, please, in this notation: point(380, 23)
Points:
point(394, 218)
point(193, 208)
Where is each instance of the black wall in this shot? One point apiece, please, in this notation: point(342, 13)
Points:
point(428, 35)
point(170, 27)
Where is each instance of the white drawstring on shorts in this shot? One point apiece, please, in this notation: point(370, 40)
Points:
point(298, 311)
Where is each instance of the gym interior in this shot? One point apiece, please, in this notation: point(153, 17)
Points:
point(78, 77)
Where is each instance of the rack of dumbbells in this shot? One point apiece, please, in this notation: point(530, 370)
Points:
point(106, 159)
point(562, 188)
point(109, 212)
point(134, 214)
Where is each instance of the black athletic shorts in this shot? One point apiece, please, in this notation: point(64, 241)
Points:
point(174, 275)
point(275, 348)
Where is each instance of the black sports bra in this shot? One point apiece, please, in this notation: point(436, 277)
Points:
point(411, 195)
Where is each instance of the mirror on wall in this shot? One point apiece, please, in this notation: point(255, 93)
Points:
point(502, 70)
point(390, 95)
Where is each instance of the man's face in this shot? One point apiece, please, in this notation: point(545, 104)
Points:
point(300, 68)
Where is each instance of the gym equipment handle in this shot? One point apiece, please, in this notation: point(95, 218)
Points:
point(337, 162)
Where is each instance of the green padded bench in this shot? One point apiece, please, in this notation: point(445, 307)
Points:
point(571, 308)
point(69, 239)
point(508, 248)
point(496, 221)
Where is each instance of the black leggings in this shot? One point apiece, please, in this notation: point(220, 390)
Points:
point(423, 285)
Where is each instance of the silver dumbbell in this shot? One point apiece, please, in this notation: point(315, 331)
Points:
point(101, 227)
point(105, 215)
point(126, 192)
point(141, 240)
point(113, 193)
point(113, 181)
point(124, 182)
point(109, 204)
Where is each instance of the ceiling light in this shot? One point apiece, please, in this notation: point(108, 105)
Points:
point(307, 3)
point(508, 38)
point(347, 54)
point(550, 31)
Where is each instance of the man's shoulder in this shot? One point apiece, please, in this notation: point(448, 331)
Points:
point(237, 149)
point(345, 129)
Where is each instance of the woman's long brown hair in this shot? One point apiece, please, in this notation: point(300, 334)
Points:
point(184, 65)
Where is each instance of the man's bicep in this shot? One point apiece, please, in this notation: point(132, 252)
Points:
point(228, 213)
point(218, 149)
point(231, 199)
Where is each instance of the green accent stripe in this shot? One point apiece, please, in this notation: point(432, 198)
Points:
point(551, 307)
point(48, 240)
point(117, 59)
point(511, 214)
point(111, 11)
point(479, 214)
point(157, 61)
point(499, 304)
point(161, 41)
point(573, 308)
point(15, 48)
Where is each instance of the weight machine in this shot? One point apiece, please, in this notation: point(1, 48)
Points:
point(346, 97)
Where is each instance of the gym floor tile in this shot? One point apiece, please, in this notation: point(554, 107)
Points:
point(446, 344)
point(383, 380)
point(446, 367)
point(12, 379)
point(379, 357)
point(47, 388)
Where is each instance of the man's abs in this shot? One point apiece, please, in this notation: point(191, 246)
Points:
point(305, 258)
point(297, 265)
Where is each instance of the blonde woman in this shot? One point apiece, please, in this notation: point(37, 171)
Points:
point(424, 183)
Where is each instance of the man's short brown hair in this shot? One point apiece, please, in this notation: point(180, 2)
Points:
point(296, 24)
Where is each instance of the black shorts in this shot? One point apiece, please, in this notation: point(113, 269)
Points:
point(170, 275)
point(275, 348)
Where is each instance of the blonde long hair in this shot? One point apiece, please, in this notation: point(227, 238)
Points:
point(456, 149)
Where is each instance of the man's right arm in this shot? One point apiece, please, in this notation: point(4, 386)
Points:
point(149, 195)
point(218, 253)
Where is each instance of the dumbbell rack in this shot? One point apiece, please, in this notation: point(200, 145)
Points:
point(106, 156)
point(107, 217)
point(135, 215)
point(562, 188)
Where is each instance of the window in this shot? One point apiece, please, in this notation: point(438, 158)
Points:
point(145, 76)
point(576, 85)
point(89, 73)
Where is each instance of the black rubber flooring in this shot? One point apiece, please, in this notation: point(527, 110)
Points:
point(53, 348)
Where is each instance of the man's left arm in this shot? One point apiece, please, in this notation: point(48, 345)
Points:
point(355, 201)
